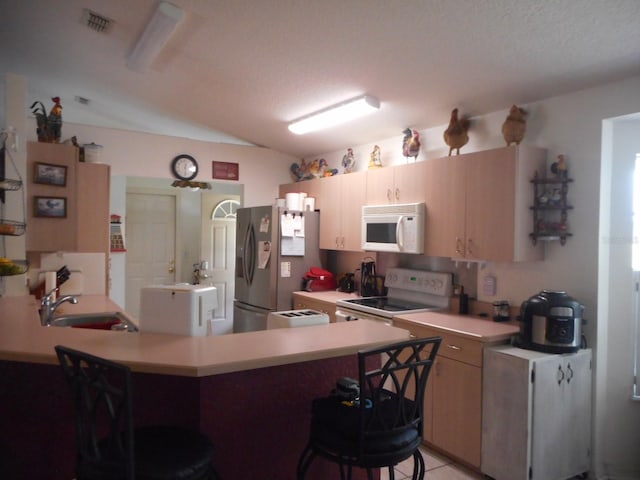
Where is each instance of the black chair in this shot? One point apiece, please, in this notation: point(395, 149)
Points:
point(383, 426)
point(108, 446)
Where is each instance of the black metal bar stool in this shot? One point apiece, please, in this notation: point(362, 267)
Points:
point(383, 425)
point(108, 445)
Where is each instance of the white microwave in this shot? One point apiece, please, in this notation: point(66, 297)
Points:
point(393, 228)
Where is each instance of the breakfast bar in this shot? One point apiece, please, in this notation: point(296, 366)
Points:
point(250, 392)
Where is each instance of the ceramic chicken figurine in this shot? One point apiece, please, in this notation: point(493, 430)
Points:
point(410, 144)
point(348, 161)
point(319, 168)
point(514, 126)
point(559, 168)
point(325, 170)
point(49, 127)
point(456, 135)
point(300, 171)
point(55, 119)
point(314, 168)
point(374, 159)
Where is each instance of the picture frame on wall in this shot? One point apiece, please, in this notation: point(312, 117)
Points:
point(50, 174)
point(51, 207)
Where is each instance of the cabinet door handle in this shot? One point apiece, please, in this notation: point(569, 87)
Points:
point(389, 195)
point(172, 266)
point(454, 347)
point(397, 194)
point(569, 373)
point(560, 374)
point(459, 246)
point(470, 246)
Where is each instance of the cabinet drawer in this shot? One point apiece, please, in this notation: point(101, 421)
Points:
point(452, 346)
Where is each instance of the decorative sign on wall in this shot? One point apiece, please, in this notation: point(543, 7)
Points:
point(225, 170)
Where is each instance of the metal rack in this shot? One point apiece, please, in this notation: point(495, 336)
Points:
point(10, 227)
point(550, 209)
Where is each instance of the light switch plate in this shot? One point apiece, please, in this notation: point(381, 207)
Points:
point(489, 285)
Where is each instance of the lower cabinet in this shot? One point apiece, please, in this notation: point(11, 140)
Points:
point(453, 408)
point(536, 414)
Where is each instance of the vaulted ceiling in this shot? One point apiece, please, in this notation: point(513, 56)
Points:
point(238, 71)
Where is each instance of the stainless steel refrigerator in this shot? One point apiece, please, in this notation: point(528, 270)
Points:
point(274, 249)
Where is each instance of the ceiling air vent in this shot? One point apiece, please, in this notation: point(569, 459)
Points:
point(82, 100)
point(97, 22)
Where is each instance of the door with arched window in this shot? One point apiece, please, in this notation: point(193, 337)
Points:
point(218, 250)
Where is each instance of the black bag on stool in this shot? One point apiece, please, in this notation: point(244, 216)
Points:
point(347, 389)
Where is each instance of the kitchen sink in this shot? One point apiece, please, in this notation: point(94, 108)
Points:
point(96, 321)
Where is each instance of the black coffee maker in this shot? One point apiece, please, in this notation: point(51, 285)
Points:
point(347, 282)
point(371, 285)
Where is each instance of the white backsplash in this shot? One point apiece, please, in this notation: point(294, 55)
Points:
point(90, 265)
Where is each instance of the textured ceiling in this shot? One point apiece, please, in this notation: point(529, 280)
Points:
point(238, 71)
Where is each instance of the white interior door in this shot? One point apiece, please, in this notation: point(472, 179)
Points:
point(218, 249)
point(151, 245)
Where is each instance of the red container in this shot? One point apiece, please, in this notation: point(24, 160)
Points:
point(319, 280)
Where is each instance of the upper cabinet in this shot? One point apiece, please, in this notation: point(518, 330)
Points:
point(339, 199)
point(68, 201)
point(478, 205)
point(397, 184)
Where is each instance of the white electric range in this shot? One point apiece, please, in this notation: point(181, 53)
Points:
point(408, 291)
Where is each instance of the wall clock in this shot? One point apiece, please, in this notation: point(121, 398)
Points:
point(184, 167)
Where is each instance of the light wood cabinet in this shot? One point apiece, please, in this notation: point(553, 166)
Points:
point(301, 302)
point(478, 205)
point(339, 199)
point(536, 414)
point(85, 228)
point(453, 408)
point(310, 187)
point(396, 184)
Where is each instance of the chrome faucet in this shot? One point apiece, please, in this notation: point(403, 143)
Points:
point(48, 307)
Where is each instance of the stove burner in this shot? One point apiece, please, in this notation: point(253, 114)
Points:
point(388, 304)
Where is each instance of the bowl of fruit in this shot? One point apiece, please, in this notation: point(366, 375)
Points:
point(13, 267)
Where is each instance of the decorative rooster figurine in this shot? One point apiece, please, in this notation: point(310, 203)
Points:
point(410, 144)
point(374, 158)
point(348, 161)
point(49, 128)
point(514, 126)
point(559, 168)
point(300, 171)
point(456, 133)
point(55, 119)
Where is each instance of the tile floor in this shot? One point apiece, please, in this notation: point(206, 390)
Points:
point(437, 467)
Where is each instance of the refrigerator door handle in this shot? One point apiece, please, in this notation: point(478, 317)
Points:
point(250, 255)
point(243, 257)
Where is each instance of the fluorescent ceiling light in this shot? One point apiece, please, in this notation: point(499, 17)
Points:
point(155, 36)
point(340, 113)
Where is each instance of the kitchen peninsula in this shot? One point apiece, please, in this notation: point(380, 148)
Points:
point(251, 392)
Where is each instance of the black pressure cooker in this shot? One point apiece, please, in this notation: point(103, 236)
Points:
point(551, 322)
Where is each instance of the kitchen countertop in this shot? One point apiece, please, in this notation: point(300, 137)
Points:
point(327, 296)
point(23, 339)
point(480, 329)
